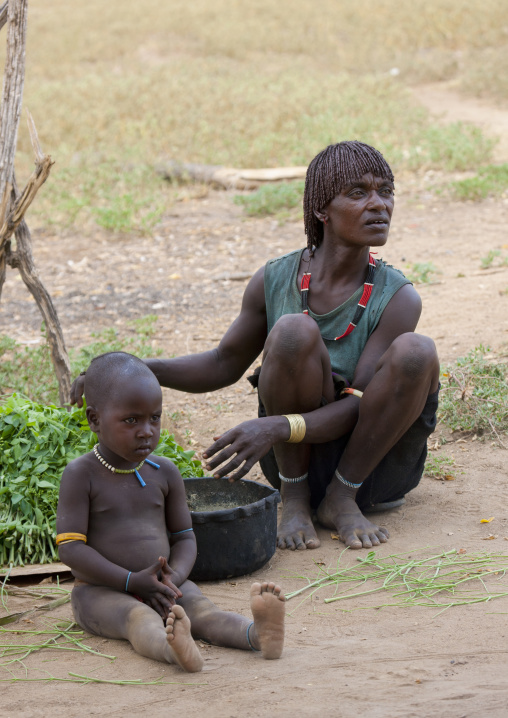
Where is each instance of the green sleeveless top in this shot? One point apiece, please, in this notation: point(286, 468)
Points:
point(282, 296)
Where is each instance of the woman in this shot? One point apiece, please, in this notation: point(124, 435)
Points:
point(348, 391)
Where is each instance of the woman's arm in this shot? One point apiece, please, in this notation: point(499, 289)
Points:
point(246, 443)
point(219, 367)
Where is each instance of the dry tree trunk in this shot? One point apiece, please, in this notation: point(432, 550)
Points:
point(10, 109)
point(3, 14)
point(14, 205)
point(12, 96)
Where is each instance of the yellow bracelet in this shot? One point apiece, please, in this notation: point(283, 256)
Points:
point(297, 427)
point(66, 538)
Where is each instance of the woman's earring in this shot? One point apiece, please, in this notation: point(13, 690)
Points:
point(325, 221)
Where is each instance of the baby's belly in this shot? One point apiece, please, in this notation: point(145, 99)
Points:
point(133, 550)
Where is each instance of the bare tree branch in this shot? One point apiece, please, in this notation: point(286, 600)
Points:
point(22, 258)
point(43, 164)
point(12, 96)
point(3, 14)
point(12, 204)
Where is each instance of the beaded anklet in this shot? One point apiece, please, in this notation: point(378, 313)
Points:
point(346, 482)
point(125, 471)
point(296, 480)
point(256, 650)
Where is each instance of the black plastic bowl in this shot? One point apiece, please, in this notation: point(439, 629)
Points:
point(235, 526)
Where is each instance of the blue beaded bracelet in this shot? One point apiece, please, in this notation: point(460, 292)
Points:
point(127, 582)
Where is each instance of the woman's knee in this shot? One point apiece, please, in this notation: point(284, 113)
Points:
point(293, 335)
point(413, 356)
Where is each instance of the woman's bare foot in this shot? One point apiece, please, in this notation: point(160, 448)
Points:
point(181, 647)
point(267, 604)
point(341, 513)
point(296, 530)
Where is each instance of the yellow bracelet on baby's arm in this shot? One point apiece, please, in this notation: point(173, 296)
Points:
point(67, 538)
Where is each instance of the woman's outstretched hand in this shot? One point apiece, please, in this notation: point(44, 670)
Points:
point(77, 390)
point(243, 445)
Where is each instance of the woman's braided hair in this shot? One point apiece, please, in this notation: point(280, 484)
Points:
point(329, 172)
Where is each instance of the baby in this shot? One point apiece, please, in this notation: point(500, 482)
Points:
point(125, 530)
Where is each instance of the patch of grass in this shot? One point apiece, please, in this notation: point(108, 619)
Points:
point(421, 273)
point(129, 198)
point(439, 467)
point(474, 396)
point(489, 181)
point(485, 71)
point(240, 84)
point(494, 258)
point(454, 147)
point(29, 370)
point(272, 198)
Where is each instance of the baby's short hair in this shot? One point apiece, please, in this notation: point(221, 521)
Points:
point(105, 370)
point(329, 172)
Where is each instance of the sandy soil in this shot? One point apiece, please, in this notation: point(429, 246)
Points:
point(390, 662)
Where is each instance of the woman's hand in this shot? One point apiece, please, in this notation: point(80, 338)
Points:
point(77, 390)
point(156, 594)
point(245, 444)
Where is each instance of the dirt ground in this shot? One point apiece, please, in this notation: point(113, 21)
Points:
point(390, 662)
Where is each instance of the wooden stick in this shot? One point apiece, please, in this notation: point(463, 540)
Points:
point(3, 14)
point(22, 258)
point(43, 164)
point(12, 96)
point(227, 177)
point(12, 204)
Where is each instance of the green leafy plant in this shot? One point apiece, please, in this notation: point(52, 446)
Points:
point(29, 370)
point(272, 198)
point(36, 444)
point(494, 257)
point(439, 467)
point(490, 180)
point(421, 273)
point(474, 396)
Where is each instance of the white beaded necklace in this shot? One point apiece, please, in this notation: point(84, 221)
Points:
point(120, 471)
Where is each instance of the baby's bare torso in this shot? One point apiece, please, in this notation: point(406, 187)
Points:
point(127, 522)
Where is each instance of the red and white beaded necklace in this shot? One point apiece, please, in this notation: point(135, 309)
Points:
point(362, 304)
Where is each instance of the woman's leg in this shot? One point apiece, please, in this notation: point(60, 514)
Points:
point(406, 374)
point(296, 374)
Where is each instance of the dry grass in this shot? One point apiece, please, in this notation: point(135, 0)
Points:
point(115, 85)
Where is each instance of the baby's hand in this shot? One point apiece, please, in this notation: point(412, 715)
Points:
point(169, 577)
point(156, 594)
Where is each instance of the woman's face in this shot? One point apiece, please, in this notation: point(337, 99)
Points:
point(361, 213)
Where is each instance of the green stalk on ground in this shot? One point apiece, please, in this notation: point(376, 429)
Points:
point(438, 581)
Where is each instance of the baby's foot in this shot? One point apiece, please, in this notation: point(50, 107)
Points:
point(268, 609)
point(181, 647)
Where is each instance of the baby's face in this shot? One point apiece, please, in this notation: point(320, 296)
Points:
point(129, 425)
